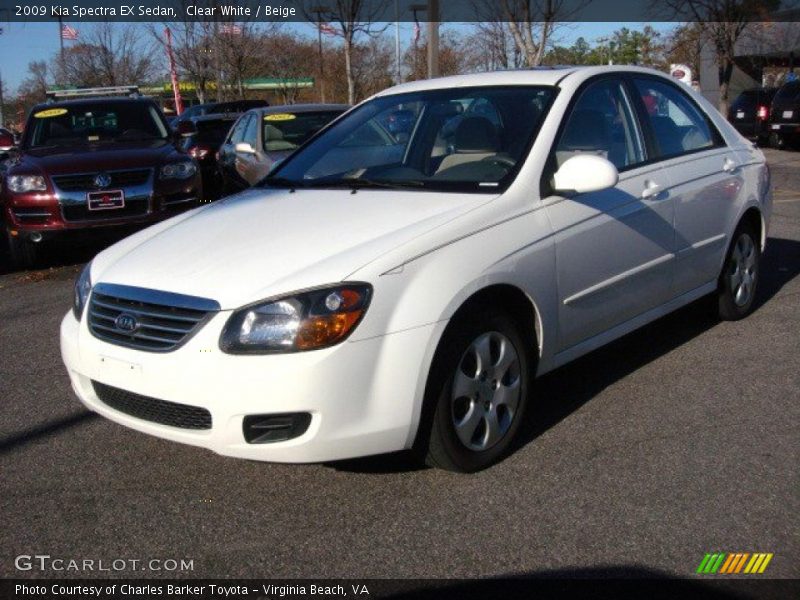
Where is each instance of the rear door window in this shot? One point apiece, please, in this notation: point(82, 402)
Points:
point(678, 125)
point(238, 130)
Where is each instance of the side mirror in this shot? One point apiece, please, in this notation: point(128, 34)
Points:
point(244, 148)
point(185, 129)
point(7, 140)
point(585, 173)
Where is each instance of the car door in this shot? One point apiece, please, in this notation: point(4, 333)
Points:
point(702, 174)
point(227, 155)
point(614, 248)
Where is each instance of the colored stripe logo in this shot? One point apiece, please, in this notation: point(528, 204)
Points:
point(731, 563)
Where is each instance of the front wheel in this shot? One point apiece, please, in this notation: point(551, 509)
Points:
point(737, 284)
point(478, 388)
point(22, 252)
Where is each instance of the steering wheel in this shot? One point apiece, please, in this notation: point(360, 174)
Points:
point(500, 159)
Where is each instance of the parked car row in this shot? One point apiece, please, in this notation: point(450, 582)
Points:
point(91, 164)
point(768, 115)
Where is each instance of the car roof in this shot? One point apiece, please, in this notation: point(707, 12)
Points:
point(301, 108)
point(548, 76)
point(226, 116)
point(95, 100)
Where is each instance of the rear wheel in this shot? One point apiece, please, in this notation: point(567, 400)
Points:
point(737, 284)
point(777, 141)
point(477, 391)
point(22, 252)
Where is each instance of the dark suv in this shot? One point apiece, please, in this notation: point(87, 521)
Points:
point(785, 118)
point(749, 113)
point(93, 165)
point(211, 131)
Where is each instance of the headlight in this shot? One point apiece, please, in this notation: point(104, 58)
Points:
point(20, 184)
point(83, 285)
point(178, 170)
point(302, 321)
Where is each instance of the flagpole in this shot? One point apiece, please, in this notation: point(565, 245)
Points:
point(397, 38)
point(176, 89)
point(61, 38)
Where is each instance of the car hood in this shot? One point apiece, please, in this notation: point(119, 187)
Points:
point(265, 242)
point(100, 157)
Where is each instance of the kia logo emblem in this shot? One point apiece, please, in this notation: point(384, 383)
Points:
point(126, 322)
point(102, 180)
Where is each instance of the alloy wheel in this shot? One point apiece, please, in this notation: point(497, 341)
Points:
point(486, 391)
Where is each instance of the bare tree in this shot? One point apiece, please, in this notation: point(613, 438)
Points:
point(530, 23)
point(684, 45)
point(722, 23)
point(453, 58)
point(108, 54)
point(37, 81)
point(492, 47)
point(287, 58)
point(350, 19)
point(195, 49)
point(241, 52)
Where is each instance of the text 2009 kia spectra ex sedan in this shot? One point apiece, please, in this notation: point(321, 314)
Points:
point(387, 289)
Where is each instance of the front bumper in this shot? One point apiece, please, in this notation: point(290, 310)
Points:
point(364, 397)
point(46, 213)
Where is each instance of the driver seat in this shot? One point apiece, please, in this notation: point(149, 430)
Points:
point(475, 139)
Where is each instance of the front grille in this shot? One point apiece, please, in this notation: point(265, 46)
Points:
point(155, 326)
point(152, 409)
point(85, 181)
point(81, 212)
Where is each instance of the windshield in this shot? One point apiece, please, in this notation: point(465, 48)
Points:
point(287, 131)
point(470, 139)
point(95, 123)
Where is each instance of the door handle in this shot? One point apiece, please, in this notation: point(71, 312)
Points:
point(651, 190)
point(729, 165)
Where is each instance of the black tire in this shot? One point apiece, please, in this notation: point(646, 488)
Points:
point(438, 441)
point(777, 141)
point(21, 251)
point(742, 265)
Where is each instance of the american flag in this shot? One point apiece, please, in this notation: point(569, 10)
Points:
point(327, 28)
point(230, 29)
point(68, 33)
point(416, 31)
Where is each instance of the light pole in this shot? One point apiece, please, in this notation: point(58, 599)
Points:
point(397, 40)
point(319, 11)
point(433, 38)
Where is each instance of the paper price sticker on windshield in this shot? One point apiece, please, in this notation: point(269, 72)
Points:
point(280, 117)
point(50, 112)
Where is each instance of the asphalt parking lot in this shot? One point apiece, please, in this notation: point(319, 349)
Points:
point(677, 440)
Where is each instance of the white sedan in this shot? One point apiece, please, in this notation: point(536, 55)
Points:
point(399, 288)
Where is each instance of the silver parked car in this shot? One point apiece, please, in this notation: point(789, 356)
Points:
point(263, 136)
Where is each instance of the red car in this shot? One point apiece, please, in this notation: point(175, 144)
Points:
point(90, 166)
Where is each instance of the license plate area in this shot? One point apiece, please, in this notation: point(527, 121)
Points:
point(740, 115)
point(105, 200)
point(787, 114)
